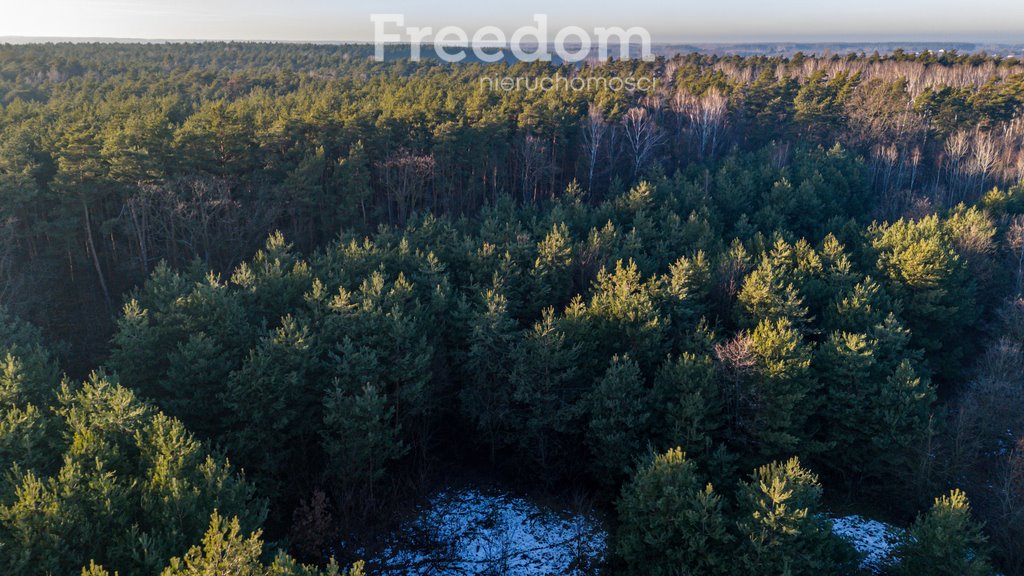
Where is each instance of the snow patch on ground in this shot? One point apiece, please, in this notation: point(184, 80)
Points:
point(469, 532)
point(473, 532)
point(875, 540)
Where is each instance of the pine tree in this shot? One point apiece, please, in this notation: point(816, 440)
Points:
point(783, 532)
point(226, 550)
point(29, 433)
point(622, 317)
point(360, 439)
point(547, 396)
point(945, 542)
point(685, 290)
point(878, 408)
point(773, 290)
point(304, 186)
point(352, 189)
point(620, 420)
point(859, 308)
point(127, 487)
point(487, 396)
point(194, 385)
point(274, 402)
point(550, 277)
point(933, 282)
point(690, 403)
point(671, 522)
point(783, 391)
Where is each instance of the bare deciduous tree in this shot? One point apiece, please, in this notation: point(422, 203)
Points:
point(736, 363)
point(956, 148)
point(643, 135)
point(594, 130)
point(406, 177)
point(983, 157)
point(705, 119)
point(534, 165)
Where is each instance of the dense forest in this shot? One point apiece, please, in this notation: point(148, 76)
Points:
point(260, 297)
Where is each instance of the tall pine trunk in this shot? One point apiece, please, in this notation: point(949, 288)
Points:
point(91, 245)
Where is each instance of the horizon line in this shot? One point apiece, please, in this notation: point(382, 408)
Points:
point(664, 42)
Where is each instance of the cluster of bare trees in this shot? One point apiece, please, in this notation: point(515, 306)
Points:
point(914, 151)
point(967, 163)
point(909, 154)
point(974, 159)
point(881, 118)
point(919, 75)
point(191, 218)
point(691, 126)
point(703, 120)
point(406, 178)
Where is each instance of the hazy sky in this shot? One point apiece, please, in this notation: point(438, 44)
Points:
point(675, 20)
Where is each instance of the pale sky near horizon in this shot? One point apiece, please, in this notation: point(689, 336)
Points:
point(675, 20)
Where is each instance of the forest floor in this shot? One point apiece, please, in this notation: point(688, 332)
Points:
point(489, 531)
point(873, 539)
